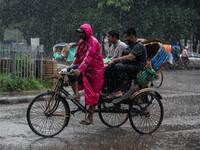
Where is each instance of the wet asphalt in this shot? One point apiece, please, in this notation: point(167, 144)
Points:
point(180, 128)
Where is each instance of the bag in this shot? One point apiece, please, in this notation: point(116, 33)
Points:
point(159, 59)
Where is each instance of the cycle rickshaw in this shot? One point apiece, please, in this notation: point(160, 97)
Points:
point(49, 113)
point(153, 45)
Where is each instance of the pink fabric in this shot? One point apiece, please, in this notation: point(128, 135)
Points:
point(89, 56)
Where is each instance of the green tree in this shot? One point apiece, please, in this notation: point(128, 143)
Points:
point(1, 31)
point(1, 24)
point(54, 21)
point(121, 4)
point(171, 23)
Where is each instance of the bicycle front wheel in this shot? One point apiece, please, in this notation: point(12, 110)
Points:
point(146, 113)
point(113, 115)
point(47, 115)
point(158, 81)
point(177, 65)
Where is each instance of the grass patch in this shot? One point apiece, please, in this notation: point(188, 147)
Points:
point(18, 84)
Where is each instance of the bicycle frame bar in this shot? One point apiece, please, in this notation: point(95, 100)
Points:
point(78, 104)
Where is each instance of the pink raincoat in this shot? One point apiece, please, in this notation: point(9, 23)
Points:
point(89, 56)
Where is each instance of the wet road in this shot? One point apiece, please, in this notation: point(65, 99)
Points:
point(180, 128)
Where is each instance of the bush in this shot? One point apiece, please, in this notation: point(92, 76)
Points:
point(18, 84)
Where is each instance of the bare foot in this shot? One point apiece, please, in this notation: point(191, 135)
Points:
point(103, 94)
point(118, 93)
point(77, 97)
point(114, 95)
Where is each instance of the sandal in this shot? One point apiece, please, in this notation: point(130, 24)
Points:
point(86, 122)
point(112, 96)
point(103, 95)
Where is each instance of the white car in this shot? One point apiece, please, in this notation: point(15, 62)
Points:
point(194, 57)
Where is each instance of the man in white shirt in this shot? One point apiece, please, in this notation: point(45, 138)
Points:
point(117, 46)
point(115, 51)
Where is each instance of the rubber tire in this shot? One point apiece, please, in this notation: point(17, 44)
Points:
point(111, 116)
point(157, 85)
point(133, 119)
point(65, 122)
point(190, 65)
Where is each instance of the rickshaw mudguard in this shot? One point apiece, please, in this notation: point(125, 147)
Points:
point(145, 90)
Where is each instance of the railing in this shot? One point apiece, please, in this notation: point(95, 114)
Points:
point(20, 61)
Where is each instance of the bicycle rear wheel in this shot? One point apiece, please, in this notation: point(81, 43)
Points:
point(48, 115)
point(158, 81)
point(146, 113)
point(190, 65)
point(113, 115)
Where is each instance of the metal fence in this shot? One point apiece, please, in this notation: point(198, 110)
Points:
point(20, 61)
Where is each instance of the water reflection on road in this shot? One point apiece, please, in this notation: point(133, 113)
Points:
point(180, 128)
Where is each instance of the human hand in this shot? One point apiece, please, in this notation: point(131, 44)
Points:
point(77, 72)
point(110, 63)
point(107, 62)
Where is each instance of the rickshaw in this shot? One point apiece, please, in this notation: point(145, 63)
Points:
point(49, 113)
point(153, 45)
point(178, 63)
point(64, 51)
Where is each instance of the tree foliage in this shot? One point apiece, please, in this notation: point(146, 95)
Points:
point(121, 4)
point(54, 21)
point(170, 23)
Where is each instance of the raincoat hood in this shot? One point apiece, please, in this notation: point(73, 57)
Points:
point(88, 30)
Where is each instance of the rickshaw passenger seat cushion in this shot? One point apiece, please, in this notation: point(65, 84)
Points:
point(159, 59)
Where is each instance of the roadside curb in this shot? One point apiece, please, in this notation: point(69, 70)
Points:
point(23, 99)
point(15, 100)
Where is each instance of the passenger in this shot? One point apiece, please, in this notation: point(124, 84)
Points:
point(117, 46)
point(133, 60)
point(88, 67)
point(114, 51)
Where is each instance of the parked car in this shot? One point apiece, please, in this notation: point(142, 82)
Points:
point(194, 57)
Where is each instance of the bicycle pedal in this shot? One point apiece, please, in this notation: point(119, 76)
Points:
point(73, 114)
point(74, 111)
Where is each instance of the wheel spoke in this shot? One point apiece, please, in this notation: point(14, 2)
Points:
point(158, 81)
point(150, 115)
point(112, 115)
point(44, 121)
